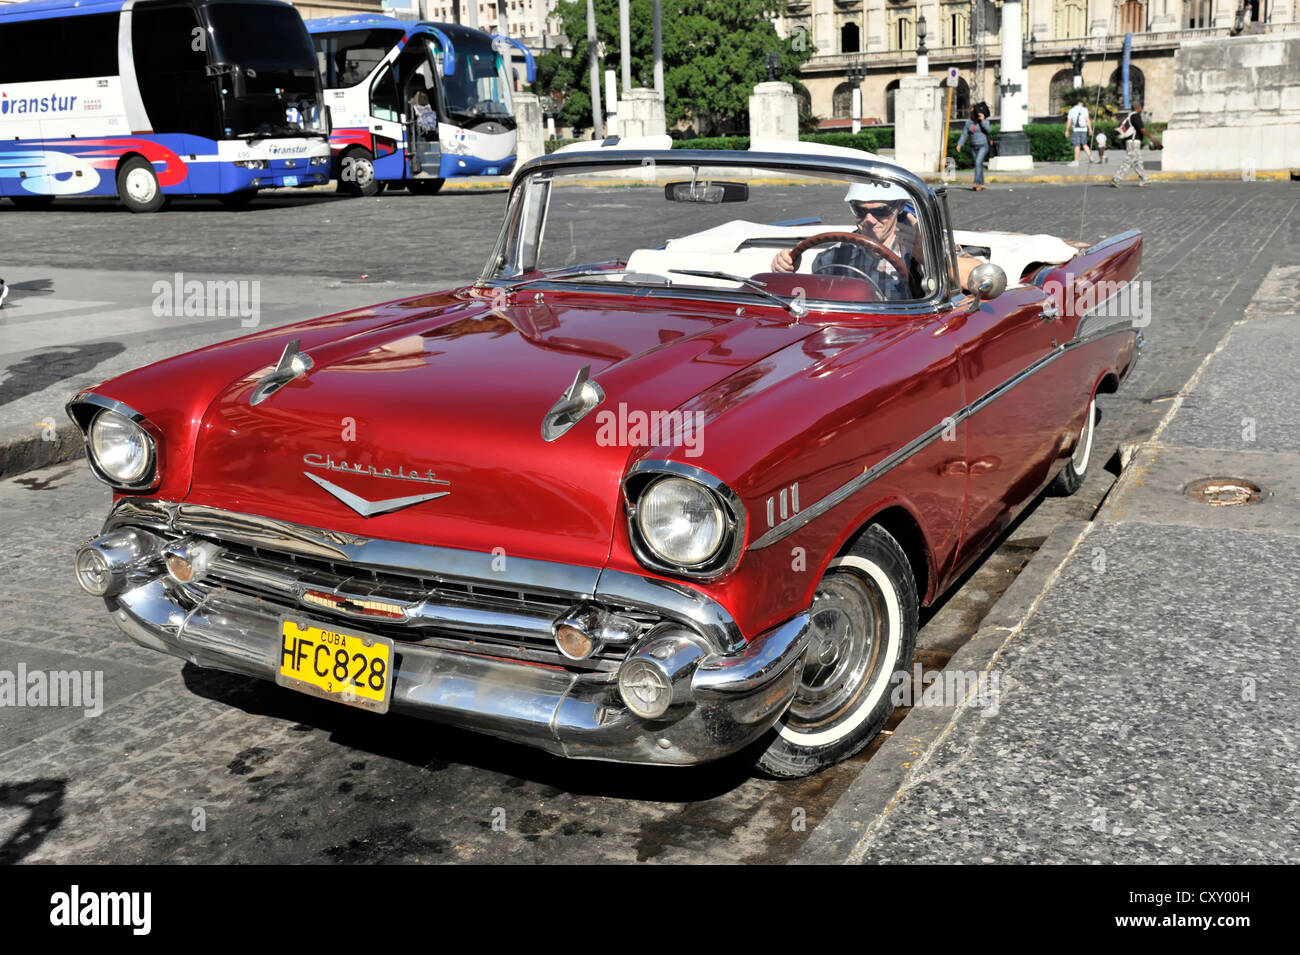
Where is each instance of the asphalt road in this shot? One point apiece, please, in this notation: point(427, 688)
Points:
point(188, 765)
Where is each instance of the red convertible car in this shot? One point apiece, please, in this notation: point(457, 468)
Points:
point(671, 479)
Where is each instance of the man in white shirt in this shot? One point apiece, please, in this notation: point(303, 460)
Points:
point(1078, 129)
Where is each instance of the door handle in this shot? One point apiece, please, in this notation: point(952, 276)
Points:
point(1051, 311)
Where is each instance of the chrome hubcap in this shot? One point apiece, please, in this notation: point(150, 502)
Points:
point(847, 623)
point(363, 171)
point(141, 185)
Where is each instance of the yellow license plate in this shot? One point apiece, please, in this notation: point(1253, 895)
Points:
point(334, 665)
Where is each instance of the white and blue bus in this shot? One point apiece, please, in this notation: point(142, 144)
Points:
point(415, 103)
point(148, 99)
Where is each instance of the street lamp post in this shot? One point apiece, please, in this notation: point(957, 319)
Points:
point(1076, 58)
point(856, 72)
point(922, 54)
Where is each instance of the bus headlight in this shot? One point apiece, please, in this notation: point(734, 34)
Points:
point(319, 160)
point(121, 449)
point(252, 163)
point(681, 521)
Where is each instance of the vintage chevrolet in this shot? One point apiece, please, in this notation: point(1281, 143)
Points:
point(670, 480)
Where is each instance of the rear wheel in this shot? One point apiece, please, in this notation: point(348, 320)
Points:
point(424, 187)
point(357, 173)
point(864, 621)
point(1070, 478)
point(137, 186)
point(31, 202)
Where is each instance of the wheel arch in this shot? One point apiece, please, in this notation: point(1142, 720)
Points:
point(901, 524)
point(126, 157)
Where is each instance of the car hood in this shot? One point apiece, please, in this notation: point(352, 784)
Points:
point(458, 395)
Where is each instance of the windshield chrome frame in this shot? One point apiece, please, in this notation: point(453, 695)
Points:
point(928, 203)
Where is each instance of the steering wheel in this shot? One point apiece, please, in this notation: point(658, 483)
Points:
point(857, 238)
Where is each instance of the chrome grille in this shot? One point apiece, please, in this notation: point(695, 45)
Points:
point(439, 611)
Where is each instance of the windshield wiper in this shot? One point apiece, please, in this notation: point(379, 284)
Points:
point(585, 273)
point(794, 307)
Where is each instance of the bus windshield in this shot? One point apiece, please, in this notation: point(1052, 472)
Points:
point(478, 87)
point(267, 54)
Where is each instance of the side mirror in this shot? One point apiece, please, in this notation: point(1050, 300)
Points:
point(987, 281)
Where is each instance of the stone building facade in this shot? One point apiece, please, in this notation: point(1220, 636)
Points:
point(878, 38)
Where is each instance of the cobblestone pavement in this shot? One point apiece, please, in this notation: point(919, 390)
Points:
point(275, 776)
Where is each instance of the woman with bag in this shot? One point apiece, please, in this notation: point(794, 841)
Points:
point(977, 129)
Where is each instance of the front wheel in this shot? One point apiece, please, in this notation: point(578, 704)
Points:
point(357, 174)
point(1070, 478)
point(424, 187)
point(137, 186)
point(864, 623)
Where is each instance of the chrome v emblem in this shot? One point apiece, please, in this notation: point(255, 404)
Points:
point(371, 508)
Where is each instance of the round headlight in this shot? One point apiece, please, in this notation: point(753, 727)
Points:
point(121, 448)
point(681, 521)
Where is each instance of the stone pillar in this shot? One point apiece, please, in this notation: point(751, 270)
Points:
point(641, 113)
point(823, 28)
point(532, 131)
point(873, 34)
point(1013, 145)
point(918, 124)
point(774, 112)
point(1103, 13)
point(1236, 105)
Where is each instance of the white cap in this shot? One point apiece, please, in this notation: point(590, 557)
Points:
point(873, 191)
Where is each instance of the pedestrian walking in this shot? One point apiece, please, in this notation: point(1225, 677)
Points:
point(1131, 133)
point(977, 129)
point(1101, 146)
point(1078, 130)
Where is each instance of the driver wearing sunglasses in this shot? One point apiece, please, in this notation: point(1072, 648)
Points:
point(887, 222)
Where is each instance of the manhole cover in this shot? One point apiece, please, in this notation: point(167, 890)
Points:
point(1225, 492)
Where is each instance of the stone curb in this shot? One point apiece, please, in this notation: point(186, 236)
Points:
point(840, 835)
point(26, 452)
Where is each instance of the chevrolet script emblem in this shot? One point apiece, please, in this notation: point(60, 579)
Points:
point(358, 503)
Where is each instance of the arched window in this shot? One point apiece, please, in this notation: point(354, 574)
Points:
point(902, 29)
point(1132, 16)
point(890, 90)
point(1069, 19)
point(956, 24)
point(1062, 89)
point(805, 100)
point(842, 101)
point(1198, 13)
point(1137, 85)
point(849, 38)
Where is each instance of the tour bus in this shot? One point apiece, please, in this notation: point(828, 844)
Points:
point(415, 103)
point(148, 99)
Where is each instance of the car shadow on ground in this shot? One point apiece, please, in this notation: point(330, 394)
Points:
point(426, 744)
point(42, 801)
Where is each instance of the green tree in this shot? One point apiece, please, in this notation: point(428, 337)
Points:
point(713, 56)
point(1108, 107)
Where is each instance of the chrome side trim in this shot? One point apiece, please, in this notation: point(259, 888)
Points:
point(675, 600)
point(919, 443)
point(1112, 240)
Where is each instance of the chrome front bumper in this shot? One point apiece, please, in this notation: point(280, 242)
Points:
point(736, 692)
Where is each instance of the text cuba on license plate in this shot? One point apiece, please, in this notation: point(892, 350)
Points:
point(345, 667)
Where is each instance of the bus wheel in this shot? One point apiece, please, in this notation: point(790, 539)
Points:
point(237, 200)
point(357, 173)
point(423, 187)
point(137, 186)
point(31, 202)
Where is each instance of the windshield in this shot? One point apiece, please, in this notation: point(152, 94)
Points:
point(478, 87)
point(754, 230)
point(272, 87)
point(347, 58)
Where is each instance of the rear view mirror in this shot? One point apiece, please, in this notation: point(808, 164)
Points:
point(702, 191)
point(986, 281)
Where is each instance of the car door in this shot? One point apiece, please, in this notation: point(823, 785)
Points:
point(1005, 349)
point(387, 123)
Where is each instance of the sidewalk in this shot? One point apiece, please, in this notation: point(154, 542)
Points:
point(1148, 685)
point(1043, 172)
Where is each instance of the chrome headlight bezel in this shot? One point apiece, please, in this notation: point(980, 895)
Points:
point(723, 559)
point(88, 410)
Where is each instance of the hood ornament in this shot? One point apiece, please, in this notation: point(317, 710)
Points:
point(574, 405)
point(292, 364)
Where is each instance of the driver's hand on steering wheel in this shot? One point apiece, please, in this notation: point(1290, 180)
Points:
point(783, 261)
